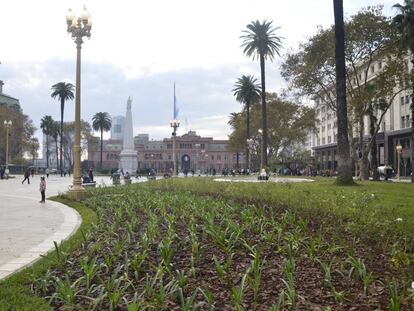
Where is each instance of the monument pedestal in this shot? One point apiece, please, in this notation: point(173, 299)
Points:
point(129, 161)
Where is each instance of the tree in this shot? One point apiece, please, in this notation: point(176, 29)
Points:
point(260, 42)
point(247, 92)
point(46, 124)
point(34, 147)
point(63, 91)
point(290, 124)
point(101, 121)
point(68, 139)
point(54, 132)
point(404, 24)
point(344, 157)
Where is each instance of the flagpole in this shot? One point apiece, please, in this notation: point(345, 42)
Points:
point(174, 124)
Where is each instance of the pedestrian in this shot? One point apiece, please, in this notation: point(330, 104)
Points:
point(47, 173)
point(90, 174)
point(42, 188)
point(32, 171)
point(26, 176)
point(1, 172)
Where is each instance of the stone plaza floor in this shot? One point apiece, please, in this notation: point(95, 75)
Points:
point(29, 228)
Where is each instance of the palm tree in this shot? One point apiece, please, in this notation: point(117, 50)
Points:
point(247, 92)
point(46, 124)
point(101, 121)
point(63, 91)
point(404, 24)
point(344, 157)
point(54, 132)
point(260, 42)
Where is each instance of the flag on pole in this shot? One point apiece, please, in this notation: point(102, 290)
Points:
point(176, 110)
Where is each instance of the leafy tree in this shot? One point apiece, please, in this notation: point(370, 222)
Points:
point(101, 121)
point(34, 147)
point(247, 92)
point(261, 42)
point(62, 91)
point(68, 139)
point(46, 124)
point(289, 125)
point(404, 24)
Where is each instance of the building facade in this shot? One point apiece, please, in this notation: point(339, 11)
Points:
point(395, 129)
point(193, 153)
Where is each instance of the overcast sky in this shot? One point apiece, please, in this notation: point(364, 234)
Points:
point(139, 48)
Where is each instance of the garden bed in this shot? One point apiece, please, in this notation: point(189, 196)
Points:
point(159, 247)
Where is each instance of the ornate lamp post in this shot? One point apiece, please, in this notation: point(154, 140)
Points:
point(174, 124)
point(399, 150)
point(8, 125)
point(78, 27)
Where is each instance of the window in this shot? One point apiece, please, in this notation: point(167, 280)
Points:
point(329, 126)
point(202, 146)
point(323, 141)
point(323, 129)
point(169, 146)
point(329, 139)
point(335, 138)
point(379, 64)
point(218, 157)
point(402, 100)
point(407, 99)
point(407, 121)
point(402, 122)
point(319, 142)
point(335, 124)
point(212, 157)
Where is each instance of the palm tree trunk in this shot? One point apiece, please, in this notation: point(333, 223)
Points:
point(101, 147)
point(57, 154)
point(62, 108)
point(247, 133)
point(412, 121)
point(47, 151)
point(264, 114)
point(344, 158)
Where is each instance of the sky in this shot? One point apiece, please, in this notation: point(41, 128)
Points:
point(140, 48)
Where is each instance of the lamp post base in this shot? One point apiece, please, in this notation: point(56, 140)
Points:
point(77, 193)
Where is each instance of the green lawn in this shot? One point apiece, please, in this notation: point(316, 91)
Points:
point(179, 244)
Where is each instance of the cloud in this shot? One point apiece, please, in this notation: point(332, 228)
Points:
point(204, 94)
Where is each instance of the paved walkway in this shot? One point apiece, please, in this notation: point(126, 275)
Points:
point(27, 227)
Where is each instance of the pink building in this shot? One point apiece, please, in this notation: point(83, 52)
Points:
point(193, 153)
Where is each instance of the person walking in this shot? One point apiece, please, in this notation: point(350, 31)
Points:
point(26, 177)
point(42, 188)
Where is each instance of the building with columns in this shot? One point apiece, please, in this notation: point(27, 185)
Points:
point(193, 153)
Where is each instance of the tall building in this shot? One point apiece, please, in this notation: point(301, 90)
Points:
point(193, 153)
point(117, 128)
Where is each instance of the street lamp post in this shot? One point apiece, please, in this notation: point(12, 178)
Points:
point(78, 27)
point(8, 125)
point(174, 124)
point(399, 150)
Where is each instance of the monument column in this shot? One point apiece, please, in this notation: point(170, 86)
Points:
point(128, 156)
